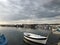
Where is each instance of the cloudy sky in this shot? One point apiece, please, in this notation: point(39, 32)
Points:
point(29, 11)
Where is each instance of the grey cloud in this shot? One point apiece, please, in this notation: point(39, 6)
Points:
point(28, 9)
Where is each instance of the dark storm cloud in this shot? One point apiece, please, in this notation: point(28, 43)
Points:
point(29, 9)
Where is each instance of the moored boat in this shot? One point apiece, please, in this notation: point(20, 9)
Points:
point(3, 40)
point(58, 29)
point(35, 38)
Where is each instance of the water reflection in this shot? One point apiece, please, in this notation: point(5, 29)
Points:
point(31, 43)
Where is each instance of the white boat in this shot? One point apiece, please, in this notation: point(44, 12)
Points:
point(35, 38)
point(58, 29)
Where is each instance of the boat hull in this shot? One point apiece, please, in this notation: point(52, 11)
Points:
point(36, 41)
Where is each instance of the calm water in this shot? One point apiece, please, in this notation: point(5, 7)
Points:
point(15, 35)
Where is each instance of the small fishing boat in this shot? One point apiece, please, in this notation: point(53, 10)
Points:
point(3, 40)
point(35, 38)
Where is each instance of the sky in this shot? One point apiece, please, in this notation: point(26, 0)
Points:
point(29, 11)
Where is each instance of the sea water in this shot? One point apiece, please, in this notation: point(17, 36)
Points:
point(15, 35)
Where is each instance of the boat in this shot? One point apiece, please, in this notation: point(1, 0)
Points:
point(35, 38)
point(3, 40)
point(58, 29)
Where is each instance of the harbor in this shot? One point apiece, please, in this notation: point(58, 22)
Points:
point(15, 36)
point(29, 22)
